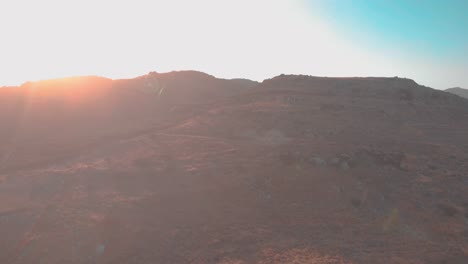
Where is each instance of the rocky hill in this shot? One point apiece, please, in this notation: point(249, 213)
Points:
point(184, 167)
point(458, 91)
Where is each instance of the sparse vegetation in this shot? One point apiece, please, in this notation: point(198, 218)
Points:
point(295, 169)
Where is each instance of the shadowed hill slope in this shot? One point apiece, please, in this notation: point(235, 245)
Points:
point(185, 87)
point(183, 167)
point(374, 87)
point(55, 117)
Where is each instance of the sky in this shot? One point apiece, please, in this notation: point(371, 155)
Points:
point(257, 39)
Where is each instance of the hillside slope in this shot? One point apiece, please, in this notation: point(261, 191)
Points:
point(458, 91)
point(56, 118)
point(187, 168)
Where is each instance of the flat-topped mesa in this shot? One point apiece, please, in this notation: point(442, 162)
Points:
point(333, 85)
point(376, 87)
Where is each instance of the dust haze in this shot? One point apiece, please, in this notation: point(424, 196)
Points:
point(184, 167)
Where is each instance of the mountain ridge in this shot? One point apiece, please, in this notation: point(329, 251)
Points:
point(307, 81)
point(295, 169)
point(462, 92)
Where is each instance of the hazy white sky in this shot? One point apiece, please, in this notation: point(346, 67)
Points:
point(254, 39)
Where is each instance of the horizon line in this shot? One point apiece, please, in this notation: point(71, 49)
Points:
point(202, 72)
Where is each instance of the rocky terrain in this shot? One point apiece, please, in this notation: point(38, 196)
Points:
point(183, 167)
point(458, 91)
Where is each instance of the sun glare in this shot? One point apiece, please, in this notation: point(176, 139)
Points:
point(229, 39)
point(116, 39)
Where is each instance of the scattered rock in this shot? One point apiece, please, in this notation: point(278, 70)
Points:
point(274, 137)
point(334, 161)
point(344, 165)
point(356, 202)
point(424, 179)
point(448, 209)
point(318, 161)
point(287, 158)
point(377, 157)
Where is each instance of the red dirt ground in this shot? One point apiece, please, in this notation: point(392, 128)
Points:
point(295, 169)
